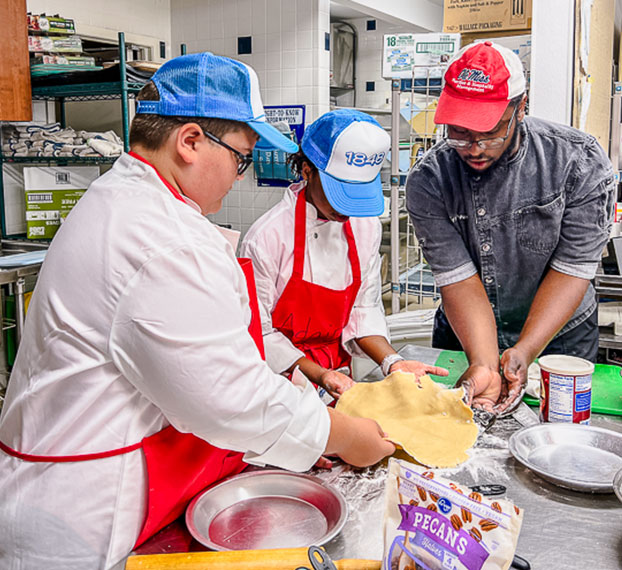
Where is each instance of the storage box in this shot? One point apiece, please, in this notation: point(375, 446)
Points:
point(468, 16)
point(51, 193)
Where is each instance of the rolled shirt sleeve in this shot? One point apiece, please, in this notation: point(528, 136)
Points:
point(588, 215)
point(184, 344)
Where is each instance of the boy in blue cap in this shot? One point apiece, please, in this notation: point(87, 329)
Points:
point(317, 262)
point(137, 382)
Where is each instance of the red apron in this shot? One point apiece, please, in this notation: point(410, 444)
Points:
point(179, 465)
point(313, 316)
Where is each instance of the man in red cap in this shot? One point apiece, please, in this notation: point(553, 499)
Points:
point(512, 214)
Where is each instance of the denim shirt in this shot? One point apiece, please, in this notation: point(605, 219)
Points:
point(548, 206)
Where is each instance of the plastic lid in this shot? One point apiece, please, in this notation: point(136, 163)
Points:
point(565, 364)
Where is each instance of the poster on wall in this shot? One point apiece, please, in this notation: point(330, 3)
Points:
point(271, 166)
point(427, 54)
point(471, 16)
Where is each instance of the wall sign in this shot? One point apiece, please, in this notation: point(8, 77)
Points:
point(404, 52)
point(271, 166)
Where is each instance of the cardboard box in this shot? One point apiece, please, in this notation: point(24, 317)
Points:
point(51, 192)
point(466, 16)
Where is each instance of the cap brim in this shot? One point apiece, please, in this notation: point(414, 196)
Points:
point(270, 138)
point(358, 199)
point(480, 116)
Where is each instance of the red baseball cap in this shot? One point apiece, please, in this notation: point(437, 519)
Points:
point(480, 81)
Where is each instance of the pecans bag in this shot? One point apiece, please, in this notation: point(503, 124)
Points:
point(434, 524)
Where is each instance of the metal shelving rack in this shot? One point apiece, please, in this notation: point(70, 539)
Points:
point(13, 281)
point(413, 280)
point(113, 90)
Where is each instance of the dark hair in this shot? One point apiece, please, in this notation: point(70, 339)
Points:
point(152, 131)
point(515, 101)
point(295, 162)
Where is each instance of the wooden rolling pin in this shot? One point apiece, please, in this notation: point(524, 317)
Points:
point(277, 559)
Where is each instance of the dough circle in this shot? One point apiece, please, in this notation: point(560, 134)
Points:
point(431, 423)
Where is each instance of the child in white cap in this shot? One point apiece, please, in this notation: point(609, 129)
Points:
point(137, 382)
point(317, 261)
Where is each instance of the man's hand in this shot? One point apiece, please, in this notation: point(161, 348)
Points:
point(418, 368)
point(358, 441)
point(335, 383)
point(482, 385)
point(514, 365)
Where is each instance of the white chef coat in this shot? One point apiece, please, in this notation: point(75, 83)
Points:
point(270, 244)
point(139, 319)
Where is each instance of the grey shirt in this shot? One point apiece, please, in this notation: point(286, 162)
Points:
point(548, 206)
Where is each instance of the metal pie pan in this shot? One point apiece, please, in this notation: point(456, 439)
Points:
point(573, 456)
point(266, 509)
point(617, 485)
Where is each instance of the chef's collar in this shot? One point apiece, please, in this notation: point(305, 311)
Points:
point(169, 186)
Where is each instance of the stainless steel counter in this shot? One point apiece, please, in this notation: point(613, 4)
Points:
point(561, 529)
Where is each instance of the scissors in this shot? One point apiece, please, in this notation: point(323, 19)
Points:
point(319, 559)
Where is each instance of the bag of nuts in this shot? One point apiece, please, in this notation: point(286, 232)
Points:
point(433, 524)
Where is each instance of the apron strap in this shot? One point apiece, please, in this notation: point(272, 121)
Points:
point(68, 458)
point(300, 234)
point(353, 255)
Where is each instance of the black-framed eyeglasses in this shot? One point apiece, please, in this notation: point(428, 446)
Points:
point(244, 160)
point(495, 142)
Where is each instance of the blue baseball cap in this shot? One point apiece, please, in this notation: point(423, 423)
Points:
point(208, 85)
point(348, 148)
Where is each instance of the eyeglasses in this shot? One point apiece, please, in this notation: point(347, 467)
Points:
point(495, 142)
point(244, 160)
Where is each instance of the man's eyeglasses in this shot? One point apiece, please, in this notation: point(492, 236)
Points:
point(495, 142)
point(244, 160)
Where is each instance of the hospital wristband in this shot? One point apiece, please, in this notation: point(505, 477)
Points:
point(388, 361)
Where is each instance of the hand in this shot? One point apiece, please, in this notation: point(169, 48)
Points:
point(335, 383)
point(482, 385)
point(418, 368)
point(514, 364)
point(366, 444)
point(324, 463)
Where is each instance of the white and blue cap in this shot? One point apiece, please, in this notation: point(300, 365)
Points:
point(211, 86)
point(348, 148)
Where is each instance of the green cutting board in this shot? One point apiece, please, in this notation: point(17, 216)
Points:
point(606, 382)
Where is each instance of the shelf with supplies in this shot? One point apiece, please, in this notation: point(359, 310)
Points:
point(83, 86)
point(609, 287)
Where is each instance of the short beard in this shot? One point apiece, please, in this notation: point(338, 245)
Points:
point(506, 153)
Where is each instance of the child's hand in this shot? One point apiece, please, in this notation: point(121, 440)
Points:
point(335, 383)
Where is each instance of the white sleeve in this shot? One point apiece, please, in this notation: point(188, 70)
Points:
point(180, 337)
point(367, 317)
point(281, 354)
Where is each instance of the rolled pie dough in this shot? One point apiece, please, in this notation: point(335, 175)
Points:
point(432, 424)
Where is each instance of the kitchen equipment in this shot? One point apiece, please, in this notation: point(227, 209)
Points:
point(489, 489)
point(319, 560)
point(617, 485)
point(276, 559)
point(573, 456)
point(525, 416)
point(266, 509)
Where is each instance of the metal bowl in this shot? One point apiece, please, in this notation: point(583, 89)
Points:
point(573, 456)
point(266, 509)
